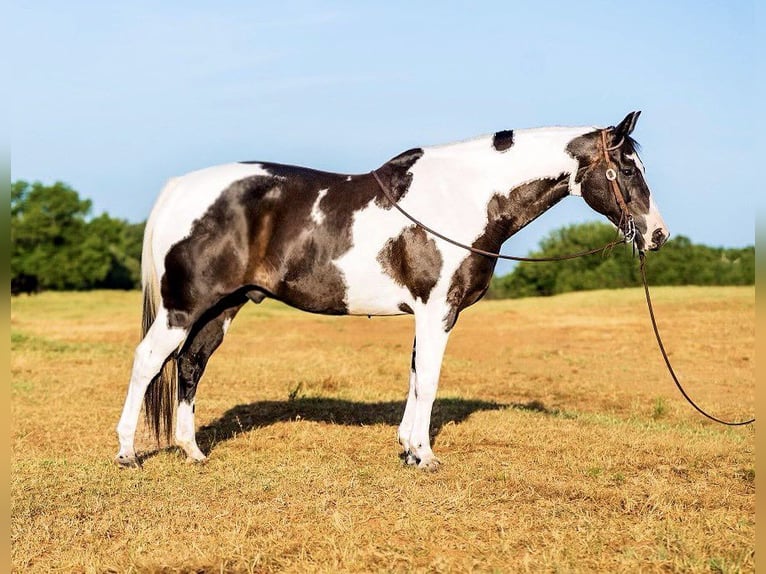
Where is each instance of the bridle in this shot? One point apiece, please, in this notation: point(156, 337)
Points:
point(626, 225)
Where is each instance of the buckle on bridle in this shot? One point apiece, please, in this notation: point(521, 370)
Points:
point(611, 175)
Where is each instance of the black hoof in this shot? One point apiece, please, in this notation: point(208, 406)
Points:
point(127, 461)
point(408, 458)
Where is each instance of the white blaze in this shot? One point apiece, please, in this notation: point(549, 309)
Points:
point(653, 219)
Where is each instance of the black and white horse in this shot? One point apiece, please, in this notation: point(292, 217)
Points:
point(333, 244)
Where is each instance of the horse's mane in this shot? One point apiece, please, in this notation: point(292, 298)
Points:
point(636, 146)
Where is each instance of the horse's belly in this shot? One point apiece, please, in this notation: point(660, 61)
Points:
point(369, 289)
point(371, 292)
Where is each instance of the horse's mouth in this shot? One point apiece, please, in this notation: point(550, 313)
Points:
point(659, 238)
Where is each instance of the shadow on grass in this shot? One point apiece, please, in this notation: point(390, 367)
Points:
point(244, 418)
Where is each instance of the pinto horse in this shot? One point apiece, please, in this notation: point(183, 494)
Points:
point(334, 244)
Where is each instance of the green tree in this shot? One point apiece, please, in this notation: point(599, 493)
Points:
point(47, 225)
point(114, 248)
point(53, 238)
point(680, 262)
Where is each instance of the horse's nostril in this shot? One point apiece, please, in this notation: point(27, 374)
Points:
point(659, 237)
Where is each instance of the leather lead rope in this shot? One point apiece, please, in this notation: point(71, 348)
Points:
point(626, 225)
point(476, 250)
point(667, 360)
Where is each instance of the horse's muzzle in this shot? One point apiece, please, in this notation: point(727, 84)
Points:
point(659, 237)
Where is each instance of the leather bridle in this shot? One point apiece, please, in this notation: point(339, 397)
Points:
point(626, 223)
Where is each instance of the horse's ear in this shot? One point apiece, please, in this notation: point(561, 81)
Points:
point(626, 126)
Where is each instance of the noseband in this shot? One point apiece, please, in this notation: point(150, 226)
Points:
point(626, 223)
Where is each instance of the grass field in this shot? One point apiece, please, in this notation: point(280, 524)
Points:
point(565, 445)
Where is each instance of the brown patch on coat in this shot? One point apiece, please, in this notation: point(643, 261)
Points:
point(506, 215)
point(259, 235)
point(413, 261)
point(397, 176)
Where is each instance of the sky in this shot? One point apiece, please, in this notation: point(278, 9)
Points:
point(114, 98)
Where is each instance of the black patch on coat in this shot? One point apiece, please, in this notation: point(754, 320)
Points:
point(413, 261)
point(585, 150)
point(396, 174)
point(204, 338)
point(506, 215)
point(404, 308)
point(259, 234)
point(502, 140)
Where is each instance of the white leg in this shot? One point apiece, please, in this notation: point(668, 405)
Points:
point(431, 341)
point(405, 428)
point(160, 341)
point(185, 432)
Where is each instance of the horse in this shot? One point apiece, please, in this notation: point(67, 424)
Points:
point(332, 243)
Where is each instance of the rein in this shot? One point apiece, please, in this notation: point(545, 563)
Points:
point(626, 225)
point(387, 193)
point(642, 257)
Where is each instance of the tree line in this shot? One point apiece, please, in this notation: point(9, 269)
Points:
point(679, 262)
point(57, 244)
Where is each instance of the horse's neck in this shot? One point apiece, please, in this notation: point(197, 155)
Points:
point(508, 213)
point(514, 186)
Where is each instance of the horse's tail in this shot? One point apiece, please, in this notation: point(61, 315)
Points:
point(161, 394)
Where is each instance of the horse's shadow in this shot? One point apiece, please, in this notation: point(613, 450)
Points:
point(246, 417)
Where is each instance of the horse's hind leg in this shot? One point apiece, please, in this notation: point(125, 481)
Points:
point(157, 345)
point(202, 342)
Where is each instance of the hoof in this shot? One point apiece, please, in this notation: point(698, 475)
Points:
point(127, 461)
point(431, 465)
point(408, 458)
point(193, 460)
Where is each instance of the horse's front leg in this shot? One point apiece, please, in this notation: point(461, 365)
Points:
point(405, 428)
point(431, 340)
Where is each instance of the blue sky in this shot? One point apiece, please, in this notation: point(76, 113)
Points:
point(115, 98)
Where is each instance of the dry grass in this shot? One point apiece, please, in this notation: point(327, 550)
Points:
point(565, 445)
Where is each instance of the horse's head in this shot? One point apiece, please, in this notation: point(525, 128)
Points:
point(610, 178)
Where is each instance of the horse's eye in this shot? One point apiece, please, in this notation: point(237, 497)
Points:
point(628, 171)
